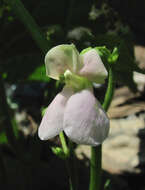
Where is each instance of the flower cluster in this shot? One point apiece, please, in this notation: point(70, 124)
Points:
point(75, 110)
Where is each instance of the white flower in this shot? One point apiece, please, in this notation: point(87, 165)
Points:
point(75, 110)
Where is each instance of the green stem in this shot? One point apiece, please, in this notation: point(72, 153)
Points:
point(64, 144)
point(96, 152)
point(29, 23)
point(95, 168)
point(110, 90)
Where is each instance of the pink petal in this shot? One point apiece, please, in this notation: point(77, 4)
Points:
point(85, 122)
point(93, 68)
point(52, 121)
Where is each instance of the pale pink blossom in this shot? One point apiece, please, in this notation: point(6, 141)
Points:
point(75, 111)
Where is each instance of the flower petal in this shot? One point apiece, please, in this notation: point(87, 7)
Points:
point(52, 121)
point(93, 68)
point(85, 122)
point(61, 58)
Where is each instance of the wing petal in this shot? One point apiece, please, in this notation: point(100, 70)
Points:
point(85, 122)
point(52, 121)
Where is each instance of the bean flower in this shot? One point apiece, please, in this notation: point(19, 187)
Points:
point(75, 110)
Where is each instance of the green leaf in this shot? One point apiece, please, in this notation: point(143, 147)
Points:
point(3, 138)
point(39, 74)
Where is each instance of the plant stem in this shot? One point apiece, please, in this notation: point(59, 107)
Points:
point(96, 152)
point(95, 168)
point(64, 144)
point(25, 17)
point(110, 90)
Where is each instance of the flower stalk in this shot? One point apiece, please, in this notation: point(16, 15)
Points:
point(64, 144)
point(96, 152)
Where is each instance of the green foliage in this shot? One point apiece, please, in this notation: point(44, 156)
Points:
point(39, 74)
point(3, 138)
point(125, 65)
point(108, 58)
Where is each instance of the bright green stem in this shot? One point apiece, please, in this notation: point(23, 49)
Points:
point(25, 17)
point(95, 168)
point(63, 143)
point(96, 152)
point(110, 90)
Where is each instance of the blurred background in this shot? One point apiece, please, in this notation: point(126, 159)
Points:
point(25, 161)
